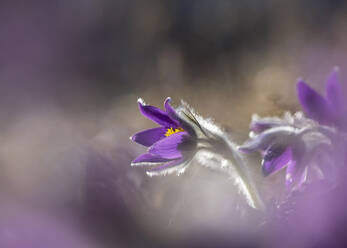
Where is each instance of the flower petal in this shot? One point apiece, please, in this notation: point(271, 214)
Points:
point(167, 168)
point(173, 114)
point(313, 104)
point(169, 146)
point(275, 158)
point(157, 115)
point(148, 159)
point(150, 136)
point(334, 93)
point(280, 135)
point(169, 109)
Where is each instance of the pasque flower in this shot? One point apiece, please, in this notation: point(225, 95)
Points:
point(181, 134)
point(172, 145)
point(294, 142)
point(298, 143)
point(328, 110)
point(184, 135)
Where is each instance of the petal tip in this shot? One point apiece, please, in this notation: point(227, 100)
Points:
point(167, 103)
point(301, 86)
point(141, 101)
point(301, 83)
point(133, 138)
point(304, 90)
point(300, 79)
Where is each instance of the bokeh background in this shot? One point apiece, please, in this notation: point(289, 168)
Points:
point(70, 75)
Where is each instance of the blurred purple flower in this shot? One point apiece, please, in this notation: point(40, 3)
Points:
point(328, 110)
point(294, 142)
point(172, 145)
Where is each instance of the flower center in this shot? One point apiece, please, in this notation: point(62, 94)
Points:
point(171, 131)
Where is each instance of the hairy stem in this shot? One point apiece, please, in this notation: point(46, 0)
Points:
point(237, 164)
point(227, 158)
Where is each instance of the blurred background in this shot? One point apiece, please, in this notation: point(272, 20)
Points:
point(70, 76)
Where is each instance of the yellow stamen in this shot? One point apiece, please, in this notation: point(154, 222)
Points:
point(171, 131)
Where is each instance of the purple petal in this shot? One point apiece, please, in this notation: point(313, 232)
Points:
point(173, 114)
point(334, 93)
point(313, 104)
point(266, 138)
point(157, 115)
point(168, 147)
point(275, 159)
point(167, 165)
point(150, 136)
point(147, 159)
point(169, 109)
point(260, 142)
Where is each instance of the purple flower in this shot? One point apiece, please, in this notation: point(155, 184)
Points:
point(183, 136)
point(172, 145)
point(294, 142)
point(328, 110)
